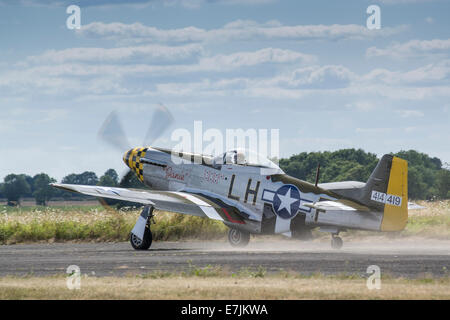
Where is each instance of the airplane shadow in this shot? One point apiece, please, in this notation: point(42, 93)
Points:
point(167, 249)
point(152, 250)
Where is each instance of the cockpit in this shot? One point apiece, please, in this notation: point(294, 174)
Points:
point(243, 157)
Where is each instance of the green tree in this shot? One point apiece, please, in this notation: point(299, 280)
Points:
point(29, 180)
point(422, 174)
point(417, 188)
point(443, 183)
point(86, 178)
point(356, 172)
point(415, 159)
point(425, 179)
point(43, 192)
point(106, 181)
point(109, 179)
point(14, 188)
point(345, 164)
point(113, 175)
point(130, 180)
point(70, 179)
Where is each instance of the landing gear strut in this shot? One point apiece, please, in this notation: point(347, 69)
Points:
point(238, 238)
point(141, 236)
point(336, 242)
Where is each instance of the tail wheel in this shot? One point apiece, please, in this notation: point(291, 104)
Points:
point(238, 238)
point(336, 242)
point(143, 244)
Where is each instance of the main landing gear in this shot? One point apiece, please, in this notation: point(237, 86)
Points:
point(143, 244)
point(336, 242)
point(238, 238)
point(141, 236)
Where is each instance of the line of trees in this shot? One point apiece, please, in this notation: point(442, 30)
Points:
point(427, 177)
point(18, 186)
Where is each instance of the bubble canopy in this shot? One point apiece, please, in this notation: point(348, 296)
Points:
point(245, 157)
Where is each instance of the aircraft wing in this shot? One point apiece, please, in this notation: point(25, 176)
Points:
point(415, 206)
point(179, 202)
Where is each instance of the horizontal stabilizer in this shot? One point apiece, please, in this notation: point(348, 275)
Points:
point(415, 206)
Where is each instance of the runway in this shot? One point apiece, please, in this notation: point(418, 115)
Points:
point(409, 258)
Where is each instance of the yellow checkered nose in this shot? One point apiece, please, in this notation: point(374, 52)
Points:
point(132, 159)
point(126, 157)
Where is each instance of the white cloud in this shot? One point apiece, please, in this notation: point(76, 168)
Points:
point(363, 106)
point(317, 143)
point(199, 3)
point(130, 3)
point(410, 129)
point(413, 48)
point(138, 71)
point(53, 114)
point(237, 30)
point(292, 84)
point(147, 53)
point(405, 113)
point(328, 76)
point(404, 1)
point(63, 73)
point(267, 55)
point(436, 73)
point(373, 130)
point(219, 62)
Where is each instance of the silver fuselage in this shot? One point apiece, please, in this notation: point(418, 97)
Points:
point(251, 189)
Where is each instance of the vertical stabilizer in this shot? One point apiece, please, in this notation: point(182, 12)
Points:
point(387, 191)
point(395, 214)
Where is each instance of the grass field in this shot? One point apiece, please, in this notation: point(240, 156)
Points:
point(95, 223)
point(211, 284)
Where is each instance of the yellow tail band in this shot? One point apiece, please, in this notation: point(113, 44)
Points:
point(395, 215)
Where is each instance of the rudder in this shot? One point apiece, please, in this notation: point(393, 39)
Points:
point(395, 214)
point(387, 191)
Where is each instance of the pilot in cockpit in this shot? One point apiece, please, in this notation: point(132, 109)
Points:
point(235, 157)
point(242, 157)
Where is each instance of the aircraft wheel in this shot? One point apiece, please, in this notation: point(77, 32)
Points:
point(336, 243)
point(144, 244)
point(238, 238)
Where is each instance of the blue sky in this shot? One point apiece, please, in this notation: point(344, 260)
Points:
point(311, 69)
